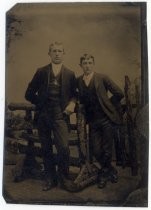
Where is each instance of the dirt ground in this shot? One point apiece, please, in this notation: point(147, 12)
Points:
point(30, 191)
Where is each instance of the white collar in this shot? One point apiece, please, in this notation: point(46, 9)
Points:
point(56, 68)
point(87, 78)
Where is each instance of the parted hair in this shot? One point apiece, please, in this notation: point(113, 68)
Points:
point(85, 57)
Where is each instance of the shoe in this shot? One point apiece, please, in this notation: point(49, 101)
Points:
point(113, 175)
point(102, 182)
point(49, 185)
point(114, 178)
point(107, 174)
point(103, 177)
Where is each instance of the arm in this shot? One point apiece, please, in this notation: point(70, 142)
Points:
point(117, 93)
point(73, 88)
point(32, 89)
point(71, 106)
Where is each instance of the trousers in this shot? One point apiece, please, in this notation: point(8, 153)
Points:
point(101, 141)
point(47, 125)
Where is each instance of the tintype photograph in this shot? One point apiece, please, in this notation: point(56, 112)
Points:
point(76, 113)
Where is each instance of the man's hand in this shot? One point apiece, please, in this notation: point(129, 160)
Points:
point(70, 108)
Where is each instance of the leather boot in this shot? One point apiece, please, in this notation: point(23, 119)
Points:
point(50, 180)
point(103, 177)
point(49, 184)
point(113, 175)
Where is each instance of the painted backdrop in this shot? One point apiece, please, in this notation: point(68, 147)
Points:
point(110, 32)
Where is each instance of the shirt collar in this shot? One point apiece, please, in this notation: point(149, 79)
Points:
point(88, 77)
point(56, 68)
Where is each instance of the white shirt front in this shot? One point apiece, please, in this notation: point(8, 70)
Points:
point(56, 68)
point(87, 78)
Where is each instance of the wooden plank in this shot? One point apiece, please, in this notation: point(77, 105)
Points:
point(21, 106)
point(36, 151)
point(73, 141)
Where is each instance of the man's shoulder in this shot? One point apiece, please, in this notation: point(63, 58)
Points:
point(79, 78)
point(67, 70)
point(99, 75)
point(43, 68)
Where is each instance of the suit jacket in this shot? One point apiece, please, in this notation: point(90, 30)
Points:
point(109, 105)
point(37, 91)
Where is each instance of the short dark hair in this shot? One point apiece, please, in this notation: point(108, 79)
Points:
point(86, 56)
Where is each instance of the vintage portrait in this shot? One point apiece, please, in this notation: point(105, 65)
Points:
point(76, 113)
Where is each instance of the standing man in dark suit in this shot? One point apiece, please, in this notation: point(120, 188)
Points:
point(52, 90)
point(101, 114)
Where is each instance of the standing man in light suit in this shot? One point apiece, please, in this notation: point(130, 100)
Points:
point(101, 114)
point(52, 90)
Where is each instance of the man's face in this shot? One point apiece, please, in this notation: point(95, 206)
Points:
point(56, 54)
point(87, 66)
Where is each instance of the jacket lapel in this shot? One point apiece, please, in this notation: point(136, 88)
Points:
point(63, 80)
point(96, 82)
point(49, 68)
